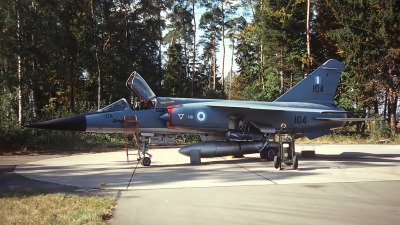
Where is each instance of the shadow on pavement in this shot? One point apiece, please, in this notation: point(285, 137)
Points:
point(12, 181)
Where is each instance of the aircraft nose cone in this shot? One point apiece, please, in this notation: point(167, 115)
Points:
point(71, 123)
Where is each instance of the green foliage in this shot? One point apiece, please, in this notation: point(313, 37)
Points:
point(213, 94)
point(32, 207)
point(257, 92)
point(26, 140)
point(381, 130)
point(271, 51)
point(353, 93)
point(188, 139)
point(176, 82)
point(366, 38)
point(69, 51)
point(211, 23)
point(323, 21)
point(58, 42)
point(280, 31)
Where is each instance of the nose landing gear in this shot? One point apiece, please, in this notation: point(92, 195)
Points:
point(143, 156)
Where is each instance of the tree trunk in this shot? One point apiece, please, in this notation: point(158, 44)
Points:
point(19, 91)
point(96, 50)
point(281, 69)
point(261, 77)
point(98, 85)
point(194, 49)
point(32, 99)
point(376, 106)
point(214, 59)
point(72, 85)
point(252, 9)
point(223, 47)
point(230, 74)
point(170, 44)
point(392, 107)
point(19, 69)
point(186, 64)
point(159, 48)
point(308, 38)
point(391, 94)
point(385, 105)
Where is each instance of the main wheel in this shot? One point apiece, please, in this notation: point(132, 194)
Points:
point(295, 162)
point(277, 162)
point(269, 153)
point(146, 161)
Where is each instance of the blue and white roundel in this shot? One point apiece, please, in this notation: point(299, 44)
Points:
point(201, 116)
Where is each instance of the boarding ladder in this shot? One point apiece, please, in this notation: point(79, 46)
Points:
point(131, 125)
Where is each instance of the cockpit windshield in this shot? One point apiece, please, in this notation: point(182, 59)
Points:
point(139, 88)
point(120, 105)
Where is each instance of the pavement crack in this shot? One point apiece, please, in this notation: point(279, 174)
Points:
point(132, 175)
point(265, 178)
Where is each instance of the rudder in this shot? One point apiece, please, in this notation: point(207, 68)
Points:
point(319, 87)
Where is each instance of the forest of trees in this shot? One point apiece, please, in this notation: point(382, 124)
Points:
point(63, 57)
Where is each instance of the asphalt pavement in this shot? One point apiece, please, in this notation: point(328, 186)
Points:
point(343, 184)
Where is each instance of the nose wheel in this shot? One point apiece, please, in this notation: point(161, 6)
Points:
point(144, 158)
point(146, 161)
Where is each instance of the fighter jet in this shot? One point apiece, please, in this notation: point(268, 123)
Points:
point(226, 127)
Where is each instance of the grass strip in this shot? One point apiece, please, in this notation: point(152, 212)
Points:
point(32, 207)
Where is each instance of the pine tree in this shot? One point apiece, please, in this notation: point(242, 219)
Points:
point(211, 23)
point(368, 42)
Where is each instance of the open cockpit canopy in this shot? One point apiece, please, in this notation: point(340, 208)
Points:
point(139, 88)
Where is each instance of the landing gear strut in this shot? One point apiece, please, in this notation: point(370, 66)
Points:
point(143, 156)
point(269, 149)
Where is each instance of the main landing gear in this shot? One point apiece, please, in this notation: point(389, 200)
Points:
point(269, 149)
point(143, 156)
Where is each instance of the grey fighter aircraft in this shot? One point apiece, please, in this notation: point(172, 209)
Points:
point(226, 127)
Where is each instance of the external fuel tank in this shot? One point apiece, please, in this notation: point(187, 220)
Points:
point(222, 148)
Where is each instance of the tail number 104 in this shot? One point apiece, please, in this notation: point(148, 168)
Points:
point(300, 120)
point(318, 88)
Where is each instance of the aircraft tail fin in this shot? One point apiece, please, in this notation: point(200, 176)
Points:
point(318, 87)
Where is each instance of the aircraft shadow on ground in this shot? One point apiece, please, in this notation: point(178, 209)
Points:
point(220, 169)
point(360, 158)
point(153, 175)
point(11, 182)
